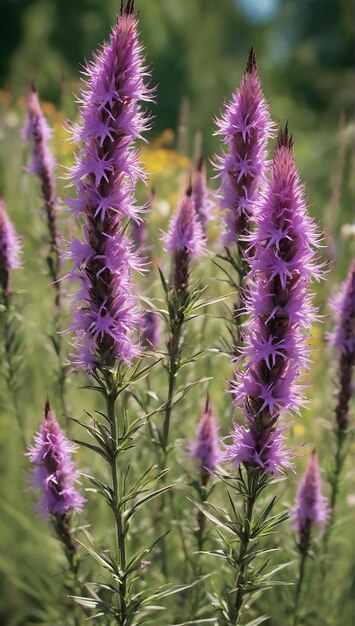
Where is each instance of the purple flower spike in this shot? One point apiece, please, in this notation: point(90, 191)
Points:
point(343, 341)
point(106, 311)
point(54, 474)
point(268, 451)
point(150, 330)
point(245, 129)
point(185, 240)
point(203, 205)
point(10, 249)
point(37, 131)
point(311, 507)
point(206, 448)
point(280, 311)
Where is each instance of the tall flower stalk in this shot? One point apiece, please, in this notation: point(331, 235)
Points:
point(200, 194)
point(105, 309)
point(342, 340)
point(54, 476)
point(244, 128)
point(38, 133)
point(10, 252)
point(280, 311)
point(311, 510)
point(207, 454)
point(185, 241)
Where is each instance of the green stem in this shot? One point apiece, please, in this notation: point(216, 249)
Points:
point(11, 368)
point(120, 530)
point(299, 586)
point(242, 561)
point(339, 462)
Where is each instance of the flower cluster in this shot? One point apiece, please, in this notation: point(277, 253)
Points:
point(37, 131)
point(245, 129)
point(105, 310)
point(203, 205)
point(343, 340)
point(311, 507)
point(185, 241)
point(280, 311)
point(206, 449)
point(54, 474)
point(10, 248)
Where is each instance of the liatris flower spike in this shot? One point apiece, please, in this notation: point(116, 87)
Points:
point(311, 510)
point(10, 249)
point(206, 449)
point(203, 205)
point(206, 452)
point(10, 253)
point(37, 131)
point(185, 241)
point(343, 341)
point(54, 473)
point(105, 310)
point(245, 129)
point(311, 507)
point(55, 476)
point(280, 310)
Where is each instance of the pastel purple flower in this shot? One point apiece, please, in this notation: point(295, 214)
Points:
point(206, 450)
point(185, 240)
point(54, 473)
point(311, 508)
point(343, 341)
point(278, 305)
point(268, 451)
point(106, 169)
point(185, 230)
point(10, 249)
point(150, 330)
point(200, 194)
point(245, 128)
point(37, 131)
point(343, 306)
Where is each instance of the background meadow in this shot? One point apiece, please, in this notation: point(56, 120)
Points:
point(197, 51)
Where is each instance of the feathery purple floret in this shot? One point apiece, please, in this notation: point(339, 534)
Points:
point(54, 474)
point(268, 451)
point(203, 205)
point(280, 311)
point(37, 131)
point(10, 249)
point(206, 449)
point(311, 507)
point(105, 310)
point(185, 232)
point(343, 341)
point(343, 305)
point(185, 241)
point(245, 129)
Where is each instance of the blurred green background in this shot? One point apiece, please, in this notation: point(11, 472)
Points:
point(197, 50)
